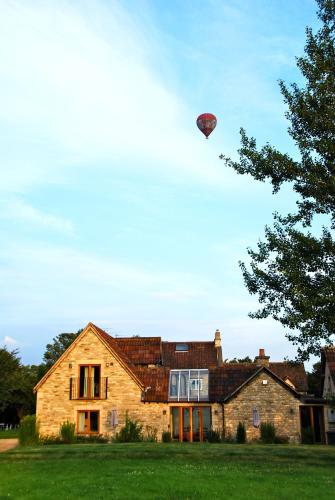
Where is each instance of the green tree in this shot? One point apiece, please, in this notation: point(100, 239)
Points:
point(293, 270)
point(59, 345)
point(314, 379)
point(247, 359)
point(16, 387)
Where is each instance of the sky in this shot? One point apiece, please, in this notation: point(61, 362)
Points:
point(113, 207)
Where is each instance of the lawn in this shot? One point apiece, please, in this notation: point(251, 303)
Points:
point(9, 434)
point(168, 471)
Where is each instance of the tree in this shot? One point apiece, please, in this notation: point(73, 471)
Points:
point(247, 359)
point(293, 270)
point(59, 345)
point(16, 387)
point(314, 379)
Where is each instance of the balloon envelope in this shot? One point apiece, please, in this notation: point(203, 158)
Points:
point(206, 123)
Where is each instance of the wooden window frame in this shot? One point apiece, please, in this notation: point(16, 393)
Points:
point(89, 365)
point(89, 432)
point(181, 421)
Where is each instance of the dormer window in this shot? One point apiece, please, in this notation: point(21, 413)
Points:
point(188, 385)
point(181, 347)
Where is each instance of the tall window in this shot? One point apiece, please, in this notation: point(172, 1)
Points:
point(188, 385)
point(89, 381)
point(88, 422)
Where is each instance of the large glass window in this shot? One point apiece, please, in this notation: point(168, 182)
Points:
point(188, 385)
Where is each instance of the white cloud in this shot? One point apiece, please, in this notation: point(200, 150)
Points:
point(9, 341)
point(79, 88)
point(18, 210)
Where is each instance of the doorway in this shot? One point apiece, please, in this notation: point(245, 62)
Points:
point(312, 424)
point(190, 423)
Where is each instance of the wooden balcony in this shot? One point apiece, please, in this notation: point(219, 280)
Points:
point(88, 388)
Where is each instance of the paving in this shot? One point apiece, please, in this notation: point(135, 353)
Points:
point(7, 444)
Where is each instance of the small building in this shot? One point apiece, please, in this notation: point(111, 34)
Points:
point(184, 388)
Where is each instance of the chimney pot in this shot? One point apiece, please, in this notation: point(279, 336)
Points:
point(261, 353)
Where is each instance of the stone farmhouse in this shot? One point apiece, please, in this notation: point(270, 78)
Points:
point(184, 388)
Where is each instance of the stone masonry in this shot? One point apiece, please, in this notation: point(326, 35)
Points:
point(274, 403)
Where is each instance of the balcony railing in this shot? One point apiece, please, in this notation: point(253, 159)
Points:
point(88, 388)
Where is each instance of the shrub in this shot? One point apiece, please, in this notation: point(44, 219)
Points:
point(166, 437)
point(47, 440)
point(268, 432)
point(214, 436)
point(240, 433)
point(28, 432)
point(130, 433)
point(282, 439)
point(150, 434)
point(68, 432)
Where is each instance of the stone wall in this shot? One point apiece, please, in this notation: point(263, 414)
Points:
point(274, 403)
point(54, 405)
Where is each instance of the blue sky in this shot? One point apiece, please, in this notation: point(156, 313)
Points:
point(113, 207)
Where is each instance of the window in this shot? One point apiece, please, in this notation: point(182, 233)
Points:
point(89, 381)
point(181, 347)
point(88, 422)
point(188, 385)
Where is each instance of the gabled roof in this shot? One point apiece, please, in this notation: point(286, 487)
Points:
point(198, 355)
point(328, 357)
point(255, 374)
point(111, 345)
point(295, 372)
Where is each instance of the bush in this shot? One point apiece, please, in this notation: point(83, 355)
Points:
point(268, 432)
point(68, 432)
point(282, 439)
point(130, 433)
point(166, 437)
point(28, 432)
point(49, 440)
point(214, 436)
point(150, 434)
point(241, 433)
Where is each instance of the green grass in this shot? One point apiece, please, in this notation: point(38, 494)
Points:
point(12, 433)
point(168, 471)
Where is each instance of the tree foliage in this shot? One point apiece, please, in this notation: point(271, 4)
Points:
point(58, 346)
point(293, 270)
point(16, 387)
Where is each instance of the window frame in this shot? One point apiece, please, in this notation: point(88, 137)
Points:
point(89, 378)
point(89, 419)
point(189, 396)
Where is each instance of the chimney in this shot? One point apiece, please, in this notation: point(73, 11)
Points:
point(261, 359)
point(217, 338)
point(217, 345)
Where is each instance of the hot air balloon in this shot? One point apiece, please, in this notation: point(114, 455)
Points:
point(206, 123)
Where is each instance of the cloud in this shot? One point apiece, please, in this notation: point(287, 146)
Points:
point(80, 89)
point(9, 341)
point(18, 210)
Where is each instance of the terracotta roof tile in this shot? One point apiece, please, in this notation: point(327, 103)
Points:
point(198, 355)
point(296, 373)
point(141, 350)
